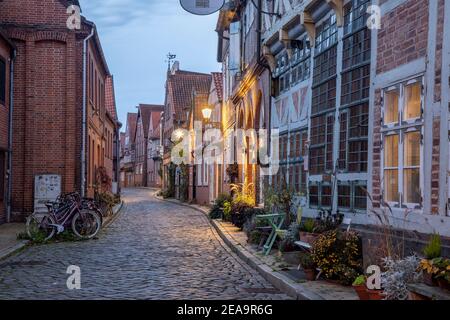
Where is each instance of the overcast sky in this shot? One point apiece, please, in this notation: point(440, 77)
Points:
point(136, 36)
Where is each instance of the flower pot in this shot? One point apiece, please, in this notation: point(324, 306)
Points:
point(361, 291)
point(310, 274)
point(308, 237)
point(375, 294)
point(443, 284)
point(429, 279)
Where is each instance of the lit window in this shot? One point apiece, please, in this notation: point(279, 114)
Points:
point(413, 101)
point(411, 167)
point(403, 145)
point(391, 168)
point(391, 106)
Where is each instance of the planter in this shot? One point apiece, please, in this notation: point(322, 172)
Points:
point(443, 284)
point(361, 291)
point(310, 274)
point(375, 294)
point(429, 279)
point(308, 237)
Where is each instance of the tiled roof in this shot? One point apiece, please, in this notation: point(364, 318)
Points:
point(131, 123)
point(156, 119)
point(218, 83)
point(181, 85)
point(145, 112)
point(110, 98)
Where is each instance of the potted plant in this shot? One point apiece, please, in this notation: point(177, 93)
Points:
point(307, 233)
point(443, 273)
point(360, 287)
point(431, 251)
point(308, 265)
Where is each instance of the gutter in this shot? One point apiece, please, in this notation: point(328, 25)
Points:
point(10, 134)
point(83, 143)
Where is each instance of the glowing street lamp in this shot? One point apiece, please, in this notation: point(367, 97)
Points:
point(207, 112)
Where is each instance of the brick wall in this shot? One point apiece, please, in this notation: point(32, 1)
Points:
point(402, 39)
point(403, 35)
point(4, 116)
point(47, 120)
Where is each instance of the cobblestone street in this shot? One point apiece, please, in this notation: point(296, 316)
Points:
point(154, 250)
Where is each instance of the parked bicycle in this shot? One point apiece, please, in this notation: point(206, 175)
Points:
point(69, 210)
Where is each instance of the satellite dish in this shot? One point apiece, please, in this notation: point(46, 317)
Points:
point(202, 7)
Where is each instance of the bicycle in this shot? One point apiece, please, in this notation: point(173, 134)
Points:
point(82, 216)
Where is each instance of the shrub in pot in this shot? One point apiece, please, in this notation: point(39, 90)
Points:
point(306, 233)
point(338, 254)
point(432, 251)
point(308, 265)
point(360, 287)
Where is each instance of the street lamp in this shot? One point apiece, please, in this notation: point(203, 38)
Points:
point(207, 112)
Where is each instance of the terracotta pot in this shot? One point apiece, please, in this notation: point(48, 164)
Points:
point(443, 284)
point(429, 280)
point(361, 290)
point(308, 237)
point(375, 294)
point(310, 274)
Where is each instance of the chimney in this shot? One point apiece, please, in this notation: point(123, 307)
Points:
point(175, 67)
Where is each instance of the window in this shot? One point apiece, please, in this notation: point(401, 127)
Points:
point(402, 144)
point(352, 196)
point(353, 145)
point(321, 149)
point(292, 169)
point(2, 81)
point(320, 195)
point(325, 72)
point(355, 15)
point(355, 85)
point(391, 106)
point(326, 34)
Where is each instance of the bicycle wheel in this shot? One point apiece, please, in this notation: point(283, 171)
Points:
point(40, 227)
point(86, 224)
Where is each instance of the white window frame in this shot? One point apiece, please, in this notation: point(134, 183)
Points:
point(400, 128)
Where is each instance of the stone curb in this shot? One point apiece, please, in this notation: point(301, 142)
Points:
point(116, 213)
point(5, 253)
point(277, 279)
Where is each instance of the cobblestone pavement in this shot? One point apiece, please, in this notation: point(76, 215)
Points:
point(154, 250)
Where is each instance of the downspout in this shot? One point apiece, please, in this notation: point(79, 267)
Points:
point(83, 142)
point(10, 134)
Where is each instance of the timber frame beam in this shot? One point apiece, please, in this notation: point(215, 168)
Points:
point(310, 27)
point(338, 7)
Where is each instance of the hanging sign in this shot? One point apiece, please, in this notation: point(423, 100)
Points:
point(202, 7)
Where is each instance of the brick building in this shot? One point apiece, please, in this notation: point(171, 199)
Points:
point(59, 117)
point(154, 165)
point(180, 86)
point(360, 110)
point(127, 166)
point(7, 55)
point(143, 121)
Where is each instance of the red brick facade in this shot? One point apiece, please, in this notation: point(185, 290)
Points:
point(6, 55)
point(48, 92)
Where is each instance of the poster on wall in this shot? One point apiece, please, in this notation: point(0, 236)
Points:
point(47, 187)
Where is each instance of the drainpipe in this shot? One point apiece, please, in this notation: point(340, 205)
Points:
point(10, 134)
point(83, 142)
